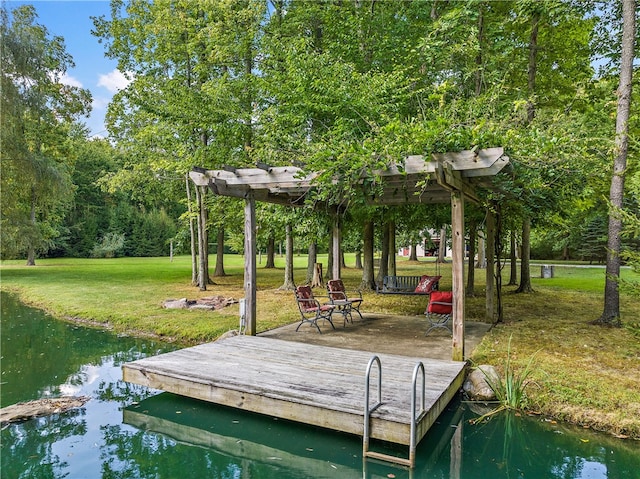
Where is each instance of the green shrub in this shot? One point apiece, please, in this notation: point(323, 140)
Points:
point(110, 246)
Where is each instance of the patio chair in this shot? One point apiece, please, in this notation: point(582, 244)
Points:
point(311, 311)
point(338, 293)
point(439, 310)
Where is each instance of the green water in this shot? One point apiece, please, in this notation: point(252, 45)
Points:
point(127, 431)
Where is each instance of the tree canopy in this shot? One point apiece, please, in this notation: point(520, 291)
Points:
point(38, 115)
point(337, 87)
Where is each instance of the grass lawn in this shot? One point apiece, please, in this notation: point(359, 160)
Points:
point(583, 374)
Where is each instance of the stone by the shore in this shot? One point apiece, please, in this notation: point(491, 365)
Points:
point(477, 387)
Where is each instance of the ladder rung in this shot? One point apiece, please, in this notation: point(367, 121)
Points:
point(389, 458)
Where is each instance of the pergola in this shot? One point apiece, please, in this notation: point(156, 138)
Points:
point(447, 177)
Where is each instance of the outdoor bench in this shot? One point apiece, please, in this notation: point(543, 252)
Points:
point(421, 285)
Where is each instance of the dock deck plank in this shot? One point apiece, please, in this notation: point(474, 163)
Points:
point(317, 385)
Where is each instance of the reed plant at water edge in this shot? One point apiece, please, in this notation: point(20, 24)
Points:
point(510, 391)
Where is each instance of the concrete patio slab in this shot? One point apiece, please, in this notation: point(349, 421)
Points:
point(377, 333)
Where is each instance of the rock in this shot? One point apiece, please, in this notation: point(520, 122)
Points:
point(228, 334)
point(208, 307)
point(210, 303)
point(476, 385)
point(40, 407)
point(176, 303)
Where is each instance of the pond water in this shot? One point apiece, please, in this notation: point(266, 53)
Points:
point(127, 431)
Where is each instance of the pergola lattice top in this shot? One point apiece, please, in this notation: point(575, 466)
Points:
point(447, 177)
point(414, 181)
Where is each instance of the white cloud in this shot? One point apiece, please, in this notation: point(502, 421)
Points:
point(100, 103)
point(68, 80)
point(114, 81)
point(64, 79)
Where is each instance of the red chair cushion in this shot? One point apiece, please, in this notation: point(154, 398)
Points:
point(440, 302)
point(336, 285)
point(426, 284)
point(304, 292)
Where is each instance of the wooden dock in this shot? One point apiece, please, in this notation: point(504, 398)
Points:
point(317, 385)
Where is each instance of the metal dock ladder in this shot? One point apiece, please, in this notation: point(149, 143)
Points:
point(415, 418)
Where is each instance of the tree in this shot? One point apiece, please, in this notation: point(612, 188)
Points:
point(611, 313)
point(368, 281)
point(38, 114)
point(289, 283)
point(88, 218)
point(190, 100)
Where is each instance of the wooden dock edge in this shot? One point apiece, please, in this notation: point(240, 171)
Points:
point(382, 429)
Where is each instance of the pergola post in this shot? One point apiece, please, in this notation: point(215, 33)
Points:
point(250, 264)
point(457, 273)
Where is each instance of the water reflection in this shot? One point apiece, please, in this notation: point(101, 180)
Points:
point(504, 447)
point(127, 431)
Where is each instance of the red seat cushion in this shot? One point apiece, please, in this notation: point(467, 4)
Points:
point(304, 292)
point(426, 284)
point(336, 285)
point(440, 302)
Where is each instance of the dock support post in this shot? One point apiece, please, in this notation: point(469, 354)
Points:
point(250, 264)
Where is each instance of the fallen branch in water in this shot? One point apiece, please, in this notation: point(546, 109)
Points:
point(40, 407)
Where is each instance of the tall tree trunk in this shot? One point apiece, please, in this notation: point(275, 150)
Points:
point(31, 252)
point(192, 235)
point(358, 259)
point(203, 273)
point(442, 249)
point(288, 284)
point(248, 100)
point(434, 12)
point(336, 246)
point(513, 259)
point(499, 249)
point(312, 258)
point(533, 66)
point(368, 282)
point(383, 270)
point(220, 253)
point(611, 313)
point(490, 272)
point(364, 35)
point(482, 252)
point(392, 248)
point(479, 61)
point(271, 253)
point(471, 260)
point(525, 273)
point(330, 255)
point(413, 252)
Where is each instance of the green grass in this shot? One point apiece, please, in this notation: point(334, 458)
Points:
point(582, 373)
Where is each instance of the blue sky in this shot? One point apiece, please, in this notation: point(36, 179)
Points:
point(93, 71)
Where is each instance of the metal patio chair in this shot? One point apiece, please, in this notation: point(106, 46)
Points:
point(311, 311)
point(439, 310)
point(338, 293)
